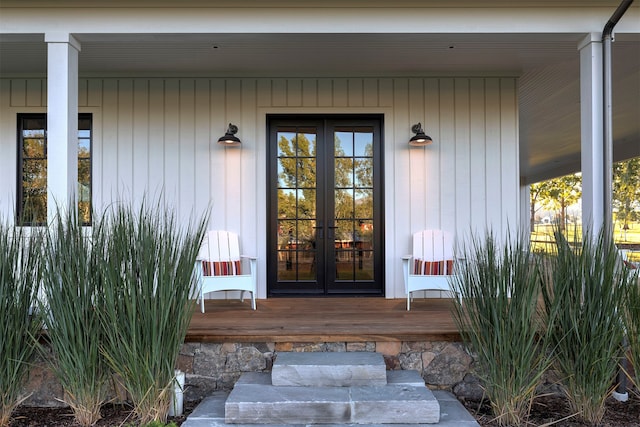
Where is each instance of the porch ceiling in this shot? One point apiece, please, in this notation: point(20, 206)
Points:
point(547, 64)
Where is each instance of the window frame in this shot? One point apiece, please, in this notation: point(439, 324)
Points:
point(21, 118)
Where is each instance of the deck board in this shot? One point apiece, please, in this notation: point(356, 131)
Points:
point(324, 320)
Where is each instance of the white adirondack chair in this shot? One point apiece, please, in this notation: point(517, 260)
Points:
point(431, 264)
point(219, 267)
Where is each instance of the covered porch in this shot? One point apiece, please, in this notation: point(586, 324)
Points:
point(307, 320)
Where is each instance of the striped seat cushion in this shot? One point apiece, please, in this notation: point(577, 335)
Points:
point(433, 268)
point(221, 268)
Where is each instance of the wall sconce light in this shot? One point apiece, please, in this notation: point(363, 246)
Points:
point(230, 139)
point(420, 139)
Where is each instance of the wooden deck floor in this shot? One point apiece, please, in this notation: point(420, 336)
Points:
point(324, 320)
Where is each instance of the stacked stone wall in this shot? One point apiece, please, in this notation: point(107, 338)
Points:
point(217, 366)
point(211, 367)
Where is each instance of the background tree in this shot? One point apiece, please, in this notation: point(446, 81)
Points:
point(535, 194)
point(297, 186)
point(559, 193)
point(626, 191)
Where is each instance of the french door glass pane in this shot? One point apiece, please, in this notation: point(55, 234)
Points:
point(297, 189)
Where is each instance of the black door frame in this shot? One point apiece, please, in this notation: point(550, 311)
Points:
point(322, 287)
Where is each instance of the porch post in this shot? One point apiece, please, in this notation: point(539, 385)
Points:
point(62, 122)
point(592, 122)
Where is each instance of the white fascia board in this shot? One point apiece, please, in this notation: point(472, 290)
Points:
point(313, 20)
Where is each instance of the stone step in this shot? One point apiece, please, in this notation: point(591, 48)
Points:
point(398, 377)
point(335, 369)
point(210, 413)
point(408, 377)
point(254, 401)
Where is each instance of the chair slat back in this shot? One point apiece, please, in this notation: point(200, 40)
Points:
point(433, 245)
point(219, 245)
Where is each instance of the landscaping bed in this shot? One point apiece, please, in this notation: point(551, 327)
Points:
point(549, 410)
point(546, 410)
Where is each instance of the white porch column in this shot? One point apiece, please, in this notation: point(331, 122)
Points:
point(592, 122)
point(62, 121)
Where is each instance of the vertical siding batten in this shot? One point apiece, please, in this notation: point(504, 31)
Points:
point(18, 93)
point(477, 164)
point(370, 92)
point(235, 179)
point(33, 96)
point(94, 93)
point(462, 143)
point(9, 150)
point(447, 153)
point(340, 93)
point(279, 93)
point(203, 138)
point(325, 92)
point(140, 149)
point(492, 155)
point(418, 193)
point(124, 136)
point(510, 152)
point(253, 200)
point(172, 140)
point(399, 196)
point(83, 92)
point(187, 149)
point(432, 152)
point(294, 92)
point(109, 150)
point(355, 92)
point(157, 153)
point(310, 93)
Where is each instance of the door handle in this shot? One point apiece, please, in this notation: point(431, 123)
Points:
point(320, 232)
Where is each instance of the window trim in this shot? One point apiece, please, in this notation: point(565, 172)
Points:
point(20, 120)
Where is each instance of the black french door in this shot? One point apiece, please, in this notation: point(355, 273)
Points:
point(325, 205)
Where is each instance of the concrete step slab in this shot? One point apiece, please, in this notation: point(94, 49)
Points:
point(335, 369)
point(405, 377)
point(209, 413)
point(264, 404)
point(393, 404)
point(452, 412)
point(397, 377)
point(253, 400)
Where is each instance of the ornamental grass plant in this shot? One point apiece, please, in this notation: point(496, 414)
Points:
point(20, 272)
point(632, 322)
point(498, 318)
point(72, 285)
point(584, 297)
point(146, 307)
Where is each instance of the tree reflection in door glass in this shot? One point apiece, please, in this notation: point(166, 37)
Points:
point(353, 203)
point(297, 188)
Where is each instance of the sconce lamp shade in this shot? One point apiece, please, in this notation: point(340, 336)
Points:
point(230, 139)
point(420, 139)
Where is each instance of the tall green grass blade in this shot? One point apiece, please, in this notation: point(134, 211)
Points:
point(499, 320)
point(584, 298)
point(632, 321)
point(72, 285)
point(147, 300)
point(20, 272)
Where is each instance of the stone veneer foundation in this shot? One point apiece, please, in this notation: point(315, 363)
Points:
point(212, 367)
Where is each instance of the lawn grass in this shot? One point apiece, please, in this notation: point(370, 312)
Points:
point(542, 239)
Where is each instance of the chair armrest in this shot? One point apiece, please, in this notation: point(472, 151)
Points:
point(248, 256)
point(407, 257)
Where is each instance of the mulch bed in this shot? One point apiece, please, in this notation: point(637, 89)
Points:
point(554, 411)
point(547, 410)
point(112, 415)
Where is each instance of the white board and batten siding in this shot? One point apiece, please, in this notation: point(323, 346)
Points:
point(154, 134)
